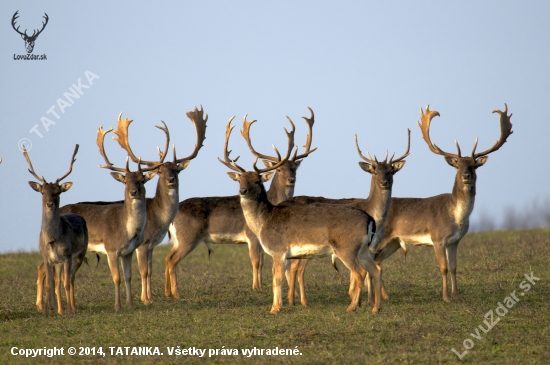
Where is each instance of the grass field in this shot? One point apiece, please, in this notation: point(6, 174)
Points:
point(219, 310)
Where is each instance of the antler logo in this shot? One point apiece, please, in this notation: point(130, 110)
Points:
point(29, 40)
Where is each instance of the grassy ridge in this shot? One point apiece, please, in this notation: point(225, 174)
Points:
point(218, 308)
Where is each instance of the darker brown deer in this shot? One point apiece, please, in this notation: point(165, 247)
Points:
point(301, 231)
point(442, 220)
point(63, 240)
point(162, 208)
point(116, 229)
point(219, 220)
point(376, 205)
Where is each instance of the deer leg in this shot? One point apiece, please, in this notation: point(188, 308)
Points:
point(388, 250)
point(176, 255)
point(255, 252)
point(112, 259)
point(451, 257)
point(142, 264)
point(375, 273)
point(278, 273)
point(149, 274)
point(58, 272)
point(301, 271)
point(127, 269)
point(291, 267)
point(40, 285)
point(442, 260)
point(67, 283)
point(49, 287)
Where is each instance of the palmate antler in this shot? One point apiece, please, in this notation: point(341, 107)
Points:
point(42, 179)
point(505, 132)
point(245, 132)
point(376, 162)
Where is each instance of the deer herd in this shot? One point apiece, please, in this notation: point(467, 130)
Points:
point(360, 232)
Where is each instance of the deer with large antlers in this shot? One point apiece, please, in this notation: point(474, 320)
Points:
point(63, 239)
point(442, 220)
point(376, 205)
point(162, 208)
point(301, 231)
point(116, 229)
point(220, 219)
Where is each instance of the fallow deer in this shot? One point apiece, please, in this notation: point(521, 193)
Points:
point(162, 208)
point(376, 205)
point(442, 220)
point(302, 231)
point(116, 229)
point(63, 239)
point(220, 219)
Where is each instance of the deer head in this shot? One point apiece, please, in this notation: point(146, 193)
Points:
point(466, 165)
point(50, 191)
point(29, 40)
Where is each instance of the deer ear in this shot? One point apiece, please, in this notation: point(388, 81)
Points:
point(151, 174)
point(268, 163)
point(267, 176)
point(396, 166)
point(118, 177)
point(367, 167)
point(183, 165)
point(452, 161)
point(65, 186)
point(298, 163)
point(234, 175)
point(481, 161)
point(35, 186)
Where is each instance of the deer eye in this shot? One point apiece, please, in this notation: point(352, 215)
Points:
point(257, 182)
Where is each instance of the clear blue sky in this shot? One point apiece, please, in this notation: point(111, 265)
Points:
point(364, 67)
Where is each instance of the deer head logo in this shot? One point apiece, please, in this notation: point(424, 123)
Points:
point(29, 40)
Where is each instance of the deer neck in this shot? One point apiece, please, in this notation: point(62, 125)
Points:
point(463, 199)
point(136, 216)
point(51, 225)
point(256, 210)
point(278, 192)
point(378, 203)
point(165, 203)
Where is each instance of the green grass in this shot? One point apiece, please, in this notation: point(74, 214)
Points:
point(218, 308)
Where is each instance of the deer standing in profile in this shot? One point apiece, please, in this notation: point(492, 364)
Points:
point(63, 239)
point(302, 231)
point(376, 205)
point(442, 220)
point(218, 220)
point(116, 229)
point(162, 208)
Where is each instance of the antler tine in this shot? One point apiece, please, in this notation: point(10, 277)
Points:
point(424, 125)
point(408, 148)
point(369, 159)
point(73, 159)
point(100, 143)
point(310, 121)
point(505, 132)
point(226, 160)
point(290, 136)
point(196, 117)
point(458, 149)
point(43, 25)
point(31, 170)
point(166, 146)
point(245, 132)
point(475, 146)
point(122, 136)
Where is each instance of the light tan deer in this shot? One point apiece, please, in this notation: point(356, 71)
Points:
point(302, 231)
point(63, 240)
point(442, 220)
point(162, 208)
point(220, 220)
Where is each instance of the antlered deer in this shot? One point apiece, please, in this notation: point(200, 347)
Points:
point(63, 239)
point(442, 220)
point(220, 219)
point(302, 231)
